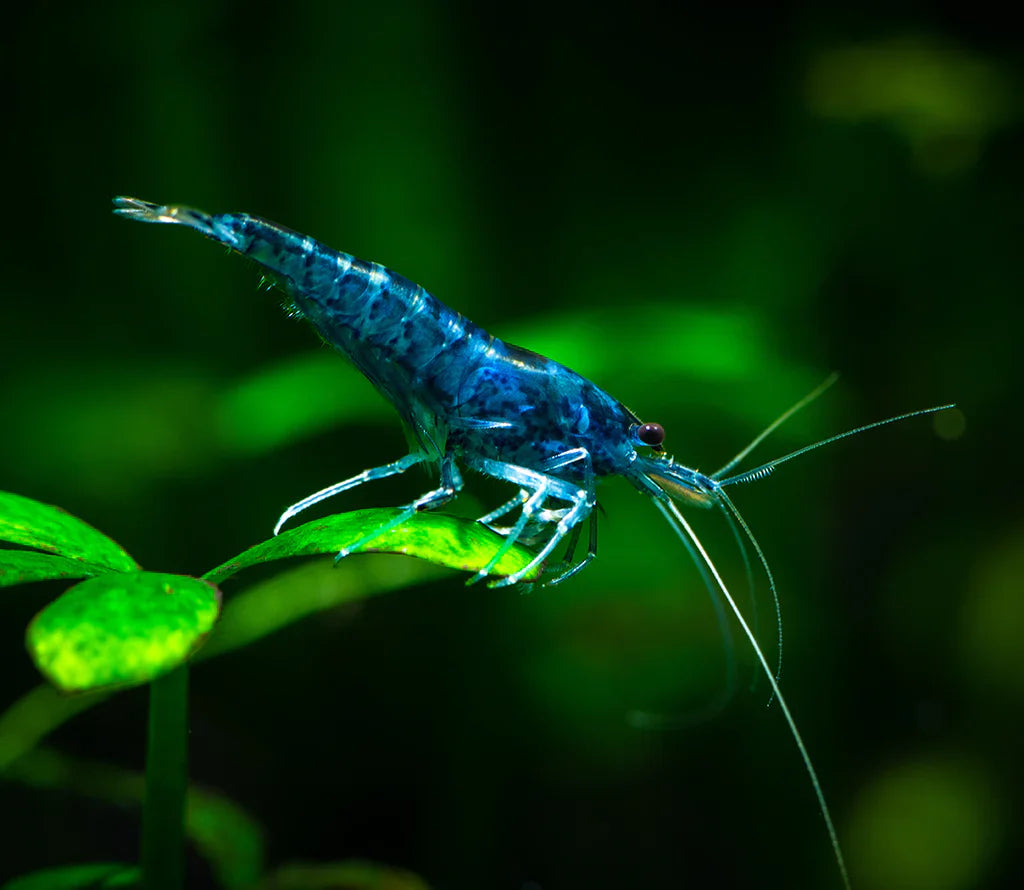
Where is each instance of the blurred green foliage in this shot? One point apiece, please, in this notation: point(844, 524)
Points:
point(917, 808)
point(228, 837)
point(706, 213)
point(76, 877)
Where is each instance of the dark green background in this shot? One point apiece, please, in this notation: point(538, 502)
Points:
point(705, 212)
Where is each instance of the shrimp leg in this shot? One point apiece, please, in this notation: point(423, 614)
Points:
point(451, 485)
point(574, 538)
point(507, 507)
point(382, 472)
point(581, 500)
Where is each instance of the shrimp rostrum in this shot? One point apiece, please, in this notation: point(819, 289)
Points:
point(468, 399)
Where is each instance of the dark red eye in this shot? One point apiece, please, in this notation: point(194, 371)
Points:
point(652, 434)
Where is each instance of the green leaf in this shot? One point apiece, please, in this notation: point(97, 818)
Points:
point(445, 540)
point(124, 629)
point(44, 527)
point(21, 566)
point(351, 875)
point(299, 592)
point(78, 877)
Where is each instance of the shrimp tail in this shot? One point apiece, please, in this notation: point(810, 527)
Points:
point(213, 227)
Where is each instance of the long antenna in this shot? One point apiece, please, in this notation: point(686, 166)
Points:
point(670, 510)
point(781, 419)
point(765, 469)
point(730, 511)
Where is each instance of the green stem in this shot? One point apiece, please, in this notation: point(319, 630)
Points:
point(163, 810)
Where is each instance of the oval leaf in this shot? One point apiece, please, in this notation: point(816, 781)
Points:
point(118, 630)
point(45, 527)
point(445, 540)
point(21, 566)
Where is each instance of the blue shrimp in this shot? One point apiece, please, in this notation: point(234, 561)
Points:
point(467, 398)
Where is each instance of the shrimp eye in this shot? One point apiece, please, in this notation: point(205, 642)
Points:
point(652, 434)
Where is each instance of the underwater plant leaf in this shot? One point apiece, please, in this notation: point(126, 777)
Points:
point(299, 592)
point(120, 630)
point(444, 540)
point(22, 566)
point(45, 527)
point(94, 876)
point(355, 874)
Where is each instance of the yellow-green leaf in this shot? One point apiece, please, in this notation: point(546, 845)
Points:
point(121, 630)
point(445, 540)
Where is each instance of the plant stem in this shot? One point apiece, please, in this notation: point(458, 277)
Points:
point(163, 809)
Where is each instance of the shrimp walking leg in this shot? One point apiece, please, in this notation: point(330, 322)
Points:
point(579, 510)
point(574, 538)
point(504, 509)
point(451, 485)
point(581, 500)
point(382, 472)
point(557, 462)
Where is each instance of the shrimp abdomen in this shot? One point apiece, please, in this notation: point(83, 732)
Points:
point(397, 334)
